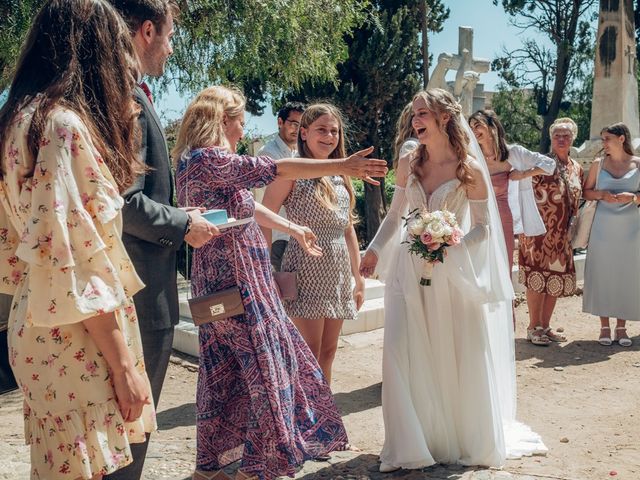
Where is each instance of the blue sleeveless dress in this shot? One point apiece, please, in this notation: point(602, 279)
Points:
point(612, 269)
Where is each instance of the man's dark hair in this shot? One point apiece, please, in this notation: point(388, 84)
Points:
point(289, 107)
point(136, 12)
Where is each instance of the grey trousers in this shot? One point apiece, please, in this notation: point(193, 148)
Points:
point(277, 251)
point(156, 345)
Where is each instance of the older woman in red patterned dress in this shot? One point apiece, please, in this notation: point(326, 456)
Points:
point(546, 261)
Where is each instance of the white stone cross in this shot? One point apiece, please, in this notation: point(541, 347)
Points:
point(468, 69)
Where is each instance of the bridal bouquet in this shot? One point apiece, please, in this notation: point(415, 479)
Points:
point(430, 233)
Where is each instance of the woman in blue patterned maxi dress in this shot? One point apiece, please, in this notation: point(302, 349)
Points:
point(261, 396)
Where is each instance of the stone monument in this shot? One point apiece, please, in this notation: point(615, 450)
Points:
point(615, 86)
point(465, 87)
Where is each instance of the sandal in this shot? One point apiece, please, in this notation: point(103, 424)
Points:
point(605, 339)
point(215, 475)
point(537, 336)
point(624, 341)
point(554, 336)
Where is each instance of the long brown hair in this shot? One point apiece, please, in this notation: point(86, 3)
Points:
point(404, 131)
point(441, 102)
point(324, 191)
point(202, 122)
point(619, 129)
point(489, 119)
point(78, 55)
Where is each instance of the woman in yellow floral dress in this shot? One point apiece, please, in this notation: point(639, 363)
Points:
point(67, 148)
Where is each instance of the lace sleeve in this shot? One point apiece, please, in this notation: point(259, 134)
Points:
point(391, 222)
point(479, 222)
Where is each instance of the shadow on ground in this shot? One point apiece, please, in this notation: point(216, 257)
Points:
point(181, 416)
point(359, 400)
point(365, 467)
point(574, 353)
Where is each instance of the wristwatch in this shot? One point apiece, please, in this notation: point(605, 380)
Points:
point(187, 229)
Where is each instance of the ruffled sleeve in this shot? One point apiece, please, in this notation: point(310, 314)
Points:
point(77, 265)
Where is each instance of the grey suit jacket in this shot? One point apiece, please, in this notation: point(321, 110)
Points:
point(153, 229)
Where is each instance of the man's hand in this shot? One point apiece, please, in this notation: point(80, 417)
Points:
point(201, 230)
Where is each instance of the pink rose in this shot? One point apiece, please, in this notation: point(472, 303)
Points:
point(456, 236)
point(425, 238)
point(433, 246)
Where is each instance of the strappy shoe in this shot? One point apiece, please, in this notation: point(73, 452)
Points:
point(538, 337)
point(215, 475)
point(554, 336)
point(624, 341)
point(605, 339)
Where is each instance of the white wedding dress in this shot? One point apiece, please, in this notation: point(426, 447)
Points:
point(448, 391)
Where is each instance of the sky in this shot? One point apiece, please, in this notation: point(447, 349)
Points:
point(492, 31)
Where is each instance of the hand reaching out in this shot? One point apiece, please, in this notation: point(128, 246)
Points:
point(358, 165)
point(307, 240)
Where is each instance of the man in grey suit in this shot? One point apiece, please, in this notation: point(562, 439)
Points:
point(153, 230)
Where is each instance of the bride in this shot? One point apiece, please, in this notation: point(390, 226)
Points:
point(448, 391)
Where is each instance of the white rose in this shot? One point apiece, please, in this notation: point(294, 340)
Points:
point(416, 227)
point(437, 231)
point(450, 218)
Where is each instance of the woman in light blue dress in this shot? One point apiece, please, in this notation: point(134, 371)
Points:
point(612, 269)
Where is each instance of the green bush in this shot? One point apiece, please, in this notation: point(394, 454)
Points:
point(358, 189)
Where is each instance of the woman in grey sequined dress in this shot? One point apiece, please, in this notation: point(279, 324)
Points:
point(325, 294)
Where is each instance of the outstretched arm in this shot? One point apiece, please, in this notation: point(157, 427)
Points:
point(356, 165)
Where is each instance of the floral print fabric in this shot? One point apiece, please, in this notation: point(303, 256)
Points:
point(62, 258)
point(262, 398)
point(546, 261)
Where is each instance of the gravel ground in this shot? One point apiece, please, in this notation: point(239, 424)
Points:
point(581, 397)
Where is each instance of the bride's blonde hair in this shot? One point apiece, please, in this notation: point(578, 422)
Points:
point(324, 190)
point(441, 102)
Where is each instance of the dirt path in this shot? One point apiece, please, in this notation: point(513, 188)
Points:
point(581, 397)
